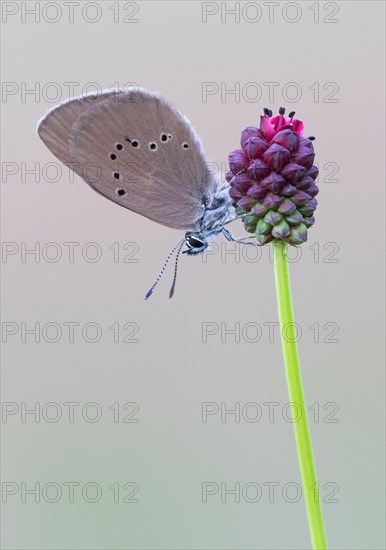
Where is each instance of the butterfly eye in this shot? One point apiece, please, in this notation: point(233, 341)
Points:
point(194, 242)
point(153, 146)
point(119, 146)
point(185, 145)
point(121, 192)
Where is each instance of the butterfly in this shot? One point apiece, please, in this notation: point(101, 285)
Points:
point(134, 148)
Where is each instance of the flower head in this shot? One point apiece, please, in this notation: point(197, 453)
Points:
point(272, 179)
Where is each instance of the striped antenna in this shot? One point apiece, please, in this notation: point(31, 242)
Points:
point(173, 287)
point(178, 245)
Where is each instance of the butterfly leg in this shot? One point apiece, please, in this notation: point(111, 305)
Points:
point(242, 240)
point(233, 219)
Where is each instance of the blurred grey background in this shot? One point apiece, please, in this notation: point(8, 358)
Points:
point(133, 443)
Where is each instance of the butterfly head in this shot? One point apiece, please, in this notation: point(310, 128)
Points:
point(195, 242)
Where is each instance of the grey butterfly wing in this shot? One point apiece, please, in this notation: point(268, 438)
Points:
point(56, 126)
point(138, 151)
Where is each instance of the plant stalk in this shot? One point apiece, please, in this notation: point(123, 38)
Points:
point(295, 390)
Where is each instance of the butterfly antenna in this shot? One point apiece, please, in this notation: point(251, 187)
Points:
point(178, 245)
point(173, 287)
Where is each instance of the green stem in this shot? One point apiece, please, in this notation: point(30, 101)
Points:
point(295, 390)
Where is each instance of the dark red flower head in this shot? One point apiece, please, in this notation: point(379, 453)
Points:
point(272, 179)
